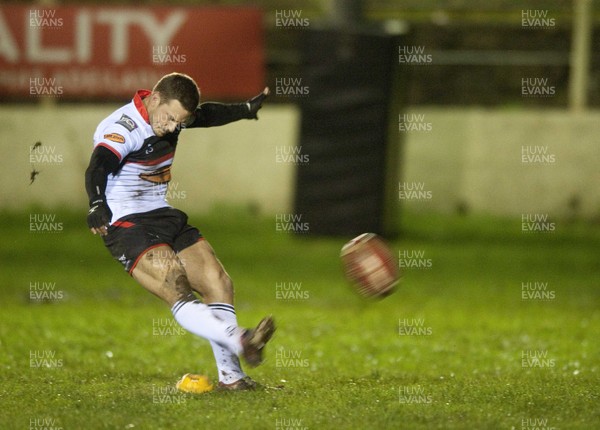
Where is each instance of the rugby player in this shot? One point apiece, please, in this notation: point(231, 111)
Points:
point(126, 182)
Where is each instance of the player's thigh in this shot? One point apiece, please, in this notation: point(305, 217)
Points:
point(159, 271)
point(205, 272)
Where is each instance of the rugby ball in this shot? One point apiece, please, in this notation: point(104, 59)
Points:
point(370, 266)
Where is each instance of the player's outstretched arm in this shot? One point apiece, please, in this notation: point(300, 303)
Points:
point(102, 163)
point(212, 114)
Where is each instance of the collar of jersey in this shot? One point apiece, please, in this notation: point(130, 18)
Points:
point(139, 105)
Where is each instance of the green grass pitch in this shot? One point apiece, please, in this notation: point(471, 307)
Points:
point(490, 328)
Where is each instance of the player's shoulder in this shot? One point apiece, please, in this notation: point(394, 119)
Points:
point(121, 126)
point(123, 119)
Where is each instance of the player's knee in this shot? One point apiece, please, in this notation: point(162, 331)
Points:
point(219, 282)
point(175, 280)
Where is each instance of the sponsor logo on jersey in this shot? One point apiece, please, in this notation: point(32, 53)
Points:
point(127, 122)
point(115, 137)
point(160, 176)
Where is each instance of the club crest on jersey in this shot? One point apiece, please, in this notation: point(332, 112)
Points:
point(160, 176)
point(127, 122)
point(115, 137)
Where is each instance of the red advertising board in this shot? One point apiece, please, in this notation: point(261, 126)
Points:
point(98, 52)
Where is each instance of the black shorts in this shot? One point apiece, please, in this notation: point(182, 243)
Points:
point(133, 235)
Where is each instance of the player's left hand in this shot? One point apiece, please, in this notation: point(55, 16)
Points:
point(255, 103)
point(99, 216)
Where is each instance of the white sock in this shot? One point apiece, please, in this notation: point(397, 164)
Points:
point(228, 364)
point(197, 318)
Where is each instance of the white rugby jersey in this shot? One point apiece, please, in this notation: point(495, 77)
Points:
point(140, 184)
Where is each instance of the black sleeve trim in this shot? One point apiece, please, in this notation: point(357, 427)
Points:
point(102, 163)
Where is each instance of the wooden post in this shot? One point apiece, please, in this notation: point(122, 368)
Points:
point(580, 55)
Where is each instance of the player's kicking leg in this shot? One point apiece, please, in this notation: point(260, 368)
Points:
point(161, 272)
